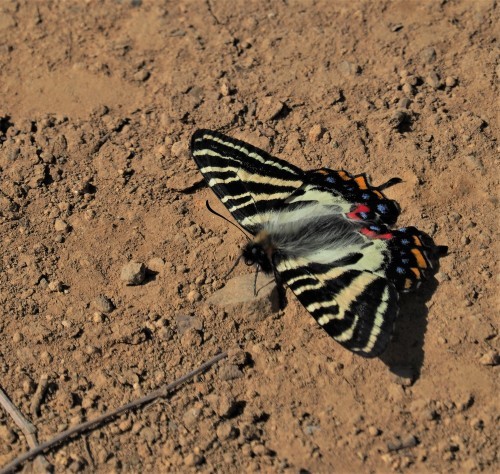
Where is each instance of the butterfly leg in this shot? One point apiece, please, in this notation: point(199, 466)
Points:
point(255, 280)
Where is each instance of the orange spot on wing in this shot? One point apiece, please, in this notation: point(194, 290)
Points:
point(420, 258)
point(417, 241)
point(417, 272)
point(322, 172)
point(378, 193)
point(408, 284)
point(361, 180)
point(344, 175)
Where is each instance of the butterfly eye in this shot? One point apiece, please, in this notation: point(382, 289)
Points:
point(255, 251)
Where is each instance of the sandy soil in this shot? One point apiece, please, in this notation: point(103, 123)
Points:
point(98, 103)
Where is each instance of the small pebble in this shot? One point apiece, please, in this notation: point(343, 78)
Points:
point(156, 264)
point(61, 225)
point(230, 372)
point(28, 386)
point(441, 276)
point(433, 80)
point(348, 68)
point(7, 435)
point(46, 357)
point(429, 55)
point(225, 90)
point(410, 80)
point(179, 149)
point(142, 75)
point(225, 405)
point(408, 89)
point(269, 109)
point(465, 240)
point(315, 133)
point(133, 273)
point(192, 460)
point(373, 431)
point(398, 118)
point(409, 441)
point(191, 338)
point(98, 317)
point(185, 322)
point(404, 103)
point(125, 425)
point(450, 81)
point(55, 286)
point(225, 431)
point(490, 358)
point(193, 296)
point(103, 303)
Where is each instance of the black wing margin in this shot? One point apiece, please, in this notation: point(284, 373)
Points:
point(247, 180)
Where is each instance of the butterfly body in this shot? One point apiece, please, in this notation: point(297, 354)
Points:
point(324, 233)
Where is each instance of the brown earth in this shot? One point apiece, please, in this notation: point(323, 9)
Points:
point(98, 103)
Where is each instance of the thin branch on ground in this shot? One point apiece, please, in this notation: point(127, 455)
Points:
point(160, 393)
point(28, 429)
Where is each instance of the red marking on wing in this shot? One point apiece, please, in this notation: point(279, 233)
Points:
point(373, 235)
point(354, 214)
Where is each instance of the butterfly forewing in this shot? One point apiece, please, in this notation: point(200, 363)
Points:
point(248, 181)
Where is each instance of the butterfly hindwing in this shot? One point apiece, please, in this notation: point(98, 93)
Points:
point(247, 180)
point(366, 202)
point(355, 307)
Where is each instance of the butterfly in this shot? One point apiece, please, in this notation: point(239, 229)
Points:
point(325, 234)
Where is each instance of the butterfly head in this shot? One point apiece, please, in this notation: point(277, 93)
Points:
point(257, 252)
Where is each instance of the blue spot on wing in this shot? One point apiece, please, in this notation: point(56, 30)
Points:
point(382, 208)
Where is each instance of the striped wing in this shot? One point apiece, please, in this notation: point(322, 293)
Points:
point(249, 182)
point(357, 308)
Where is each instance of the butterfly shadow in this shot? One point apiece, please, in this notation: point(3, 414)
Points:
point(405, 354)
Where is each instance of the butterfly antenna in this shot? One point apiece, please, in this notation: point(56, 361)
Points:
point(227, 220)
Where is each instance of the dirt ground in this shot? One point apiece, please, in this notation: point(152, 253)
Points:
point(98, 102)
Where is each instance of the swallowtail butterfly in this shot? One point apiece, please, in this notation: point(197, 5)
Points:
point(326, 234)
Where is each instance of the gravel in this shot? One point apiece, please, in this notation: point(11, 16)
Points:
point(133, 273)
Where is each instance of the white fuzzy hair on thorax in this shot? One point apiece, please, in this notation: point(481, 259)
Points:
point(315, 232)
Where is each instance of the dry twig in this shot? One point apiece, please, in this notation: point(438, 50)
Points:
point(160, 393)
point(28, 429)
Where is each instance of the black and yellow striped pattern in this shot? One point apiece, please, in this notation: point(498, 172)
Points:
point(249, 181)
point(357, 308)
point(324, 233)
